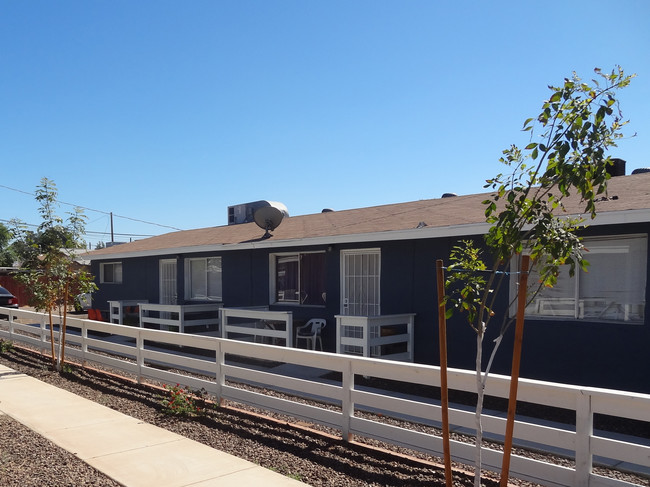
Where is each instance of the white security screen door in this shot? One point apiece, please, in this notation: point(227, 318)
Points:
point(168, 289)
point(360, 272)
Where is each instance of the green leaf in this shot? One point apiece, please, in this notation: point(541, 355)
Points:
point(532, 145)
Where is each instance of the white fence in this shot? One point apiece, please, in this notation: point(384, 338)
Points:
point(179, 317)
point(386, 336)
point(117, 310)
point(134, 350)
point(258, 325)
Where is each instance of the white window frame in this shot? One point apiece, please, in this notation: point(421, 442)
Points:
point(188, 279)
point(117, 275)
point(576, 308)
point(273, 278)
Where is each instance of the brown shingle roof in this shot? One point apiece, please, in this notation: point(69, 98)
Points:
point(625, 193)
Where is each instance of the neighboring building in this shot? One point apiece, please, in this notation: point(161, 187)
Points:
point(8, 281)
point(589, 330)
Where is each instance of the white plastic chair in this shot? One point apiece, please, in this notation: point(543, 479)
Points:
point(310, 331)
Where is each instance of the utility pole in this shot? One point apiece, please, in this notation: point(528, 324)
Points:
point(112, 237)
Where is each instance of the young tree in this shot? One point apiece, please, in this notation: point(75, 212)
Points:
point(48, 263)
point(7, 254)
point(578, 123)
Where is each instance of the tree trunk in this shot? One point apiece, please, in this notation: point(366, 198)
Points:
point(49, 312)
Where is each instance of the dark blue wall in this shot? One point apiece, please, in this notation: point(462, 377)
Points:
point(613, 355)
point(140, 280)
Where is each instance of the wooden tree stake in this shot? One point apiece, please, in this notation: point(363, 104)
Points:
point(514, 376)
point(444, 397)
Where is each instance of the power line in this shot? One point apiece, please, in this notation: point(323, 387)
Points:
point(92, 209)
point(119, 234)
point(91, 232)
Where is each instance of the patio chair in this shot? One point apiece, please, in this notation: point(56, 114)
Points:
point(310, 332)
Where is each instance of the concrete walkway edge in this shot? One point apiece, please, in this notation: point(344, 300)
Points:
point(131, 452)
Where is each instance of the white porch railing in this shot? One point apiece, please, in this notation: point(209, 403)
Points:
point(117, 309)
point(178, 317)
point(132, 350)
point(386, 336)
point(256, 324)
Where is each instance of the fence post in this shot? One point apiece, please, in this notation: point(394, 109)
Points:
point(84, 341)
point(290, 330)
point(410, 329)
point(11, 325)
point(584, 431)
point(338, 334)
point(347, 406)
point(220, 379)
point(44, 332)
point(181, 320)
point(223, 321)
point(366, 337)
point(139, 345)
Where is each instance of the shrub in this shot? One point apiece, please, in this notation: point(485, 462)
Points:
point(180, 401)
point(6, 346)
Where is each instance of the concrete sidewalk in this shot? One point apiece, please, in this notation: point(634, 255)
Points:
point(131, 452)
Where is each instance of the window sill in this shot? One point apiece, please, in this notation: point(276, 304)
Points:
point(586, 321)
point(297, 305)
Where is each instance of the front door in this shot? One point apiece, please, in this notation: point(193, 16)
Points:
point(360, 275)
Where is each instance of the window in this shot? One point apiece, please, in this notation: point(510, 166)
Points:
point(300, 278)
point(203, 279)
point(612, 289)
point(111, 273)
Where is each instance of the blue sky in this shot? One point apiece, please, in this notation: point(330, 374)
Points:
point(169, 112)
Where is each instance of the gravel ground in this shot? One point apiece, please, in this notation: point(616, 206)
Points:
point(318, 459)
point(29, 460)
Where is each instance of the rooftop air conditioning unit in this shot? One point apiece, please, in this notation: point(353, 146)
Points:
point(245, 213)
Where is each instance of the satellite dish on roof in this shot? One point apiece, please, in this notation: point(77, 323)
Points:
point(269, 216)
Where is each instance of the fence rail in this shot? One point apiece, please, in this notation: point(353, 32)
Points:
point(339, 380)
point(180, 317)
point(254, 323)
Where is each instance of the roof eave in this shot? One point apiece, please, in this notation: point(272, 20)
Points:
point(603, 218)
point(418, 233)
